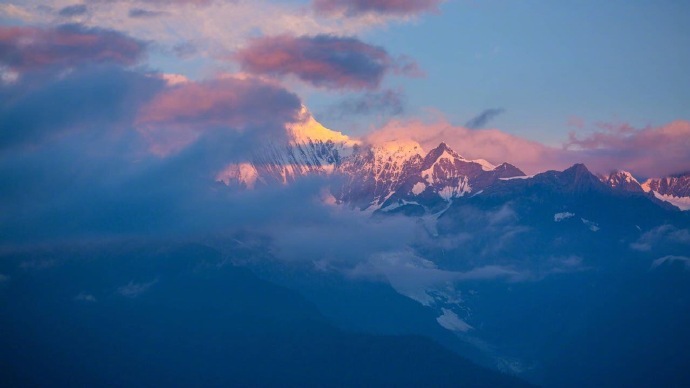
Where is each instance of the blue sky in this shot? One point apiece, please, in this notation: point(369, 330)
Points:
point(545, 62)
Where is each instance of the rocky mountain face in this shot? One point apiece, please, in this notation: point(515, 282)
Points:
point(673, 189)
point(675, 185)
point(374, 177)
point(399, 176)
point(312, 149)
point(621, 180)
point(523, 271)
point(514, 272)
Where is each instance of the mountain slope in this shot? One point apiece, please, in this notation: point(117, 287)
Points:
point(177, 316)
point(673, 189)
point(311, 149)
point(384, 176)
point(621, 180)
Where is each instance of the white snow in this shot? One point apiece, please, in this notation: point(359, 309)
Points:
point(617, 177)
point(418, 188)
point(486, 166)
point(307, 128)
point(682, 203)
point(447, 155)
point(428, 174)
point(390, 157)
point(628, 177)
point(646, 186)
point(398, 204)
point(461, 189)
point(447, 192)
point(558, 217)
point(517, 177)
point(449, 320)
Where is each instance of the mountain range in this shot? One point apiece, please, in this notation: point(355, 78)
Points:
point(399, 176)
point(548, 277)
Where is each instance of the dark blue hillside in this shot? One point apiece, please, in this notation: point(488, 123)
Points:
point(161, 316)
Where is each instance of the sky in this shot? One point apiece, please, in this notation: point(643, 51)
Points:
point(113, 114)
point(586, 82)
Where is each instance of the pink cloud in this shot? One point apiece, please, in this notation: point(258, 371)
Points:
point(323, 60)
point(180, 114)
point(490, 144)
point(649, 152)
point(29, 48)
point(187, 2)
point(385, 7)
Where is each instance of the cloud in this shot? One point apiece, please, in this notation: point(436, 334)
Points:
point(144, 13)
point(4, 278)
point(651, 151)
point(185, 49)
point(685, 261)
point(323, 60)
point(32, 48)
point(483, 118)
point(38, 264)
point(418, 278)
point(94, 99)
point(133, 290)
point(383, 7)
point(226, 24)
point(73, 10)
point(180, 114)
point(387, 103)
point(329, 232)
point(188, 2)
point(76, 148)
point(84, 297)
point(491, 144)
point(663, 235)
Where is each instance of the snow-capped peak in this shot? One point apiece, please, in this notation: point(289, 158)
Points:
point(616, 178)
point(621, 180)
point(307, 129)
point(674, 189)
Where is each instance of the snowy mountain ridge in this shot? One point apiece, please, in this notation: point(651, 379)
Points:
point(375, 176)
point(399, 175)
point(672, 189)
